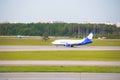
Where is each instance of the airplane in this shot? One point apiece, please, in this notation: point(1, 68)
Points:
point(19, 36)
point(72, 43)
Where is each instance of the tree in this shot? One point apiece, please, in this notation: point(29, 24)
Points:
point(45, 36)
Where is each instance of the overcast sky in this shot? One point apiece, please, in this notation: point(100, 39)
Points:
point(98, 11)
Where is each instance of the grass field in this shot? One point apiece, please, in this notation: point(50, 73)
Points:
point(106, 42)
point(58, 55)
point(100, 69)
point(61, 55)
point(32, 41)
point(24, 41)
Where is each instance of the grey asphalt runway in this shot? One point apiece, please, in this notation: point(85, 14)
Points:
point(59, 76)
point(38, 48)
point(57, 63)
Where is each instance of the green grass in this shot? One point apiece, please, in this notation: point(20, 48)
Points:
point(32, 41)
point(106, 42)
point(61, 55)
point(105, 69)
point(23, 41)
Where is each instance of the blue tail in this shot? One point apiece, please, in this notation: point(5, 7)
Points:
point(88, 39)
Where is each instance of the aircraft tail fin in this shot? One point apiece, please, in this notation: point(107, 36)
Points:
point(88, 39)
point(90, 36)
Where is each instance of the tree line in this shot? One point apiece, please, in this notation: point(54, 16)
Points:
point(59, 29)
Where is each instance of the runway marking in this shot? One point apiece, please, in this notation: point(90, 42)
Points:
point(44, 48)
point(57, 63)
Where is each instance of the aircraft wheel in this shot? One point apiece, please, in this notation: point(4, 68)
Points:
point(72, 46)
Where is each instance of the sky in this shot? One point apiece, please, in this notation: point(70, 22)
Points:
point(26, 11)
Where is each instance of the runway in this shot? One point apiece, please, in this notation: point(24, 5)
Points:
point(44, 48)
point(57, 63)
point(59, 76)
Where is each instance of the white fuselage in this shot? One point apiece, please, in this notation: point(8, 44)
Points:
point(63, 42)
